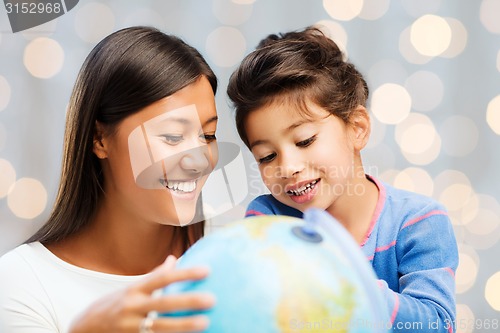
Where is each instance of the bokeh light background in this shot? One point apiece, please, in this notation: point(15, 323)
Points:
point(433, 67)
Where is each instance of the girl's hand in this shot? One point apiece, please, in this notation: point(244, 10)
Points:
point(125, 310)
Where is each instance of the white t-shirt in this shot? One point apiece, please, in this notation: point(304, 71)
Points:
point(40, 293)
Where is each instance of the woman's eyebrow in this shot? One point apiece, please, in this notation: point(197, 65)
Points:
point(211, 120)
point(186, 121)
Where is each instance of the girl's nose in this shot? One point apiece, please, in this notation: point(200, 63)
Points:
point(290, 166)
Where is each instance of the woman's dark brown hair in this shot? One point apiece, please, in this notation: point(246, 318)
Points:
point(296, 66)
point(127, 71)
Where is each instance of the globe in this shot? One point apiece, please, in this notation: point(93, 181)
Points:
point(274, 274)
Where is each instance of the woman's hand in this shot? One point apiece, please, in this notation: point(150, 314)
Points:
point(125, 310)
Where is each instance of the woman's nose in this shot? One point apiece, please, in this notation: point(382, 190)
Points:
point(197, 159)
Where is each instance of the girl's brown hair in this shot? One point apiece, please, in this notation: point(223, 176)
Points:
point(297, 66)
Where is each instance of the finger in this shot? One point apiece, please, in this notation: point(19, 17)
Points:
point(166, 275)
point(185, 301)
point(180, 324)
point(169, 262)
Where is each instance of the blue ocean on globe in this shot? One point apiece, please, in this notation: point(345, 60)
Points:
point(274, 274)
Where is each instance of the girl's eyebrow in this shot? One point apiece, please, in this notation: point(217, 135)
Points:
point(296, 124)
point(288, 129)
point(256, 143)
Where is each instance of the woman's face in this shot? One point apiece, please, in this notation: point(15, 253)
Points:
point(159, 158)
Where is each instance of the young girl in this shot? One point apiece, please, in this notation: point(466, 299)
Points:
point(301, 110)
point(139, 144)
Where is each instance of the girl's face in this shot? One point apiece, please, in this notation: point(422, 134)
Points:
point(159, 158)
point(305, 161)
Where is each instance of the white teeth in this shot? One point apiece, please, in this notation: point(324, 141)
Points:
point(304, 189)
point(181, 186)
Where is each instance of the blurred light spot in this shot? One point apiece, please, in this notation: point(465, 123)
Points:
point(481, 242)
point(3, 136)
point(4, 93)
point(230, 13)
point(447, 178)
point(421, 7)
point(343, 10)
point(389, 176)
point(460, 135)
point(335, 32)
point(426, 157)
point(43, 57)
point(386, 71)
point(374, 9)
point(408, 51)
point(498, 61)
point(493, 114)
point(377, 133)
point(464, 315)
point(483, 228)
point(415, 180)
point(485, 223)
point(146, 17)
point(43, 30)
point(430, 35)
point(488, 14)
point(455, 196)
point(469, 211)
point(418, 140)
point(217, 50)
point(425, 89)
point(492, 290)
point(466, 272)
point(380, 157)
point(7, 177)
point(244, 2)
point(489, 202)
point(27, 198)
point(391, 103)
point(94, 21)
point(458, 38)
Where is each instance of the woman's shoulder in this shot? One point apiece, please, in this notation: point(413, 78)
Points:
point(17, 271)
point(19, 257)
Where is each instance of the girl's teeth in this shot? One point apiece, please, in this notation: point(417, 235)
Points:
point(304, 189)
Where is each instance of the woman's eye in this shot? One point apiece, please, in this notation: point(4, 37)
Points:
point(208, 138)
point(172, 139)
point(267, 158)
point(307, 142)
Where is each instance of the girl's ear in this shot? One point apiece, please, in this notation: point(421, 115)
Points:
point(359, 122)
point(99, 146)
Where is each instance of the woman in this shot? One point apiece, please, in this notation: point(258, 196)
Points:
point(139, 144)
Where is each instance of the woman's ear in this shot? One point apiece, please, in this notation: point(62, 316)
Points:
point(99, 146)
point(359, 122)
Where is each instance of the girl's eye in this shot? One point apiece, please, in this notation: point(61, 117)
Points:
point(307, 142)
point(172, 139)
point(267, 158)
point(208, 138)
